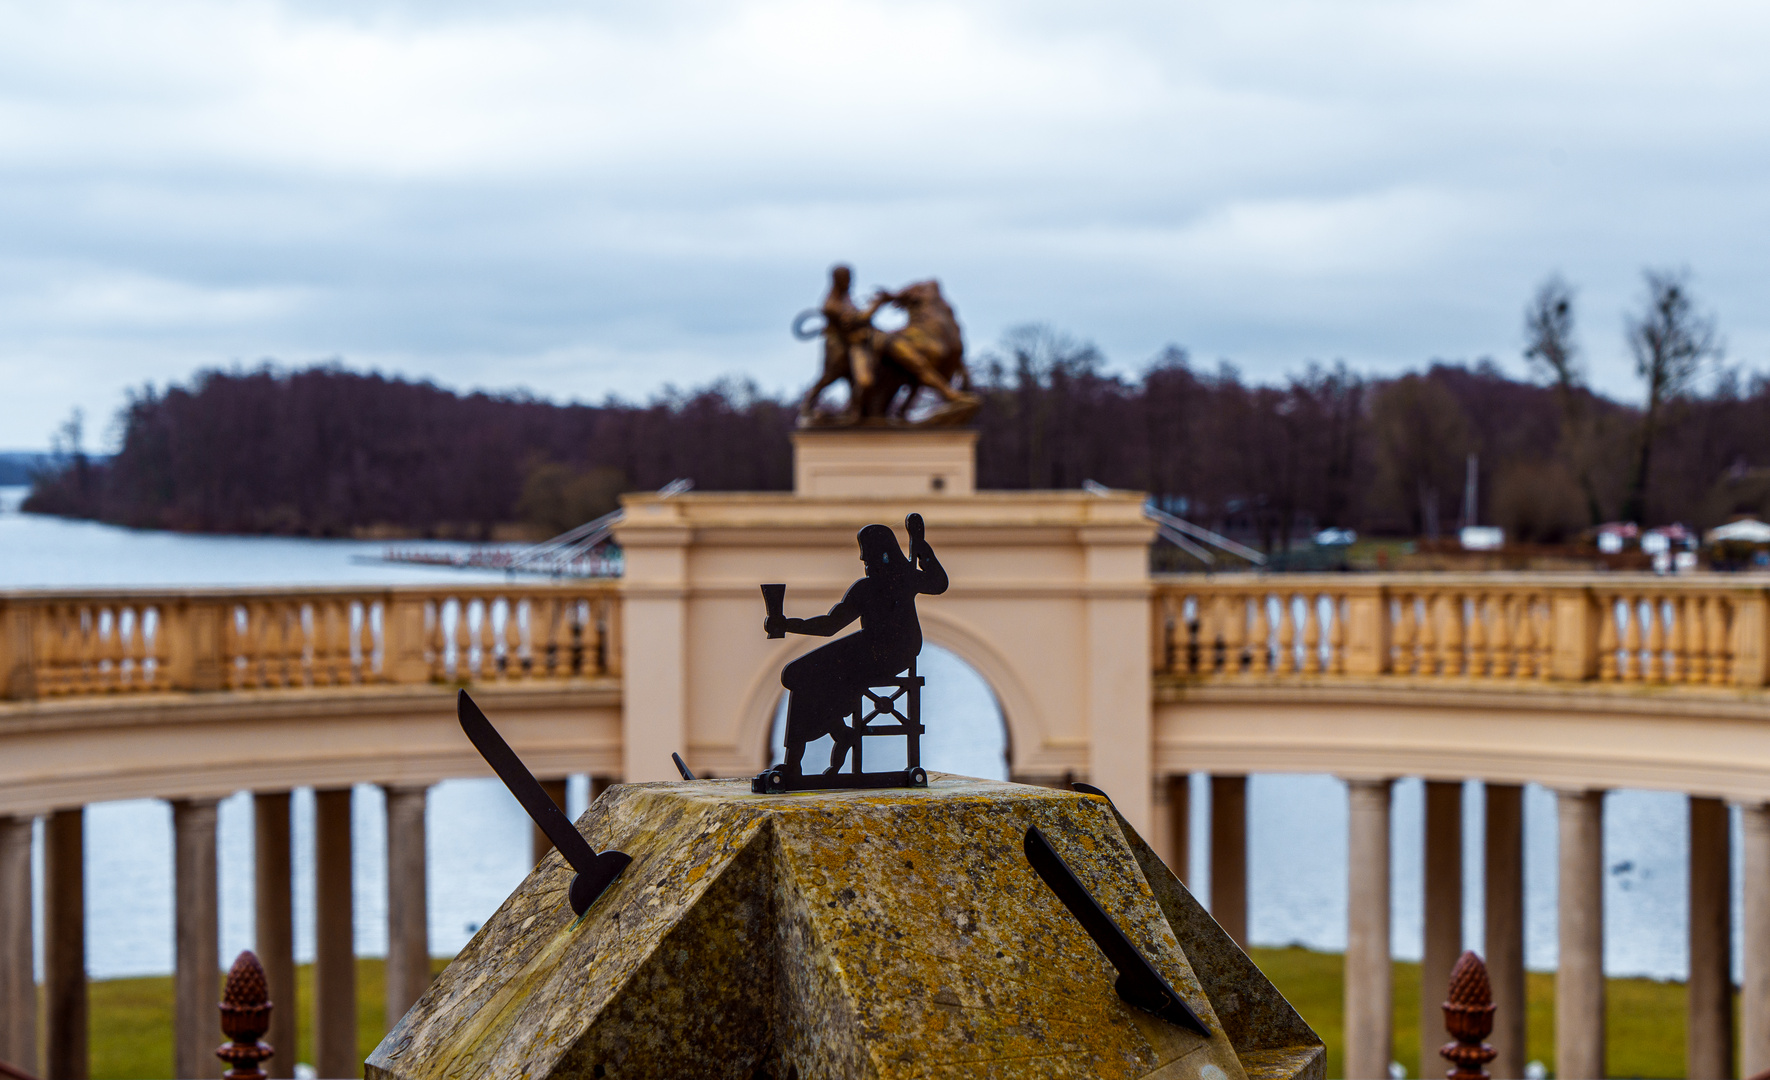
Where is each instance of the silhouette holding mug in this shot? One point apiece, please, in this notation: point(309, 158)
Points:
point(824, 686)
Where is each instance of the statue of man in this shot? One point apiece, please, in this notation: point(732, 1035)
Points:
point(825, 685)
point(849, 346)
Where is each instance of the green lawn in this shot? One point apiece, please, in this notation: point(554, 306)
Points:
point(1645, 1018)
point(132, 1018)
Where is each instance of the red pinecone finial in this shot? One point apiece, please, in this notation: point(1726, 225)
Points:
point(1468, 1016)
point(245, 1015)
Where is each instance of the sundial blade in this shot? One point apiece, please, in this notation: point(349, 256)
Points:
point(595, 872)
point(1090, 789)
point(1139, 983)
point(681, 766)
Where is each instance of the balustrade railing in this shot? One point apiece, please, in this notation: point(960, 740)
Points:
point(90, 643)
point(1518, 628)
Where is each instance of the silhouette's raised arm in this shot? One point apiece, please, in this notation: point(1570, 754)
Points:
point(930, 575)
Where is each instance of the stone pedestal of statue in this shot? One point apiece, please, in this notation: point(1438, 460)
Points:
point(882, 461)
point(844, 934)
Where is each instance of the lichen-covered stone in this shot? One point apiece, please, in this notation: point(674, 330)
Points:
point(888, 934)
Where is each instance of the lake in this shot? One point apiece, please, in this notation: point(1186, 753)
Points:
point(479, 837)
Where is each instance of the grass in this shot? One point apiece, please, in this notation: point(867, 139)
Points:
point(1644, 1017)
point(132, 1018)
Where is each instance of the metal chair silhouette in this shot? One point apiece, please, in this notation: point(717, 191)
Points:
point(902, 702)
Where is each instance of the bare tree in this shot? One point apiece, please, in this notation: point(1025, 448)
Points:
point(1553, 355)
point(1670, 340)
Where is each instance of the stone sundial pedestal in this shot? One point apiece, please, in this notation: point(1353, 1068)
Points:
point(896, 933)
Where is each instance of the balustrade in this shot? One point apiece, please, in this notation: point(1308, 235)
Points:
point(1505, 628)
point(62, 645)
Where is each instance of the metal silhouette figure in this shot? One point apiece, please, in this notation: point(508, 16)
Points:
point(827, 686)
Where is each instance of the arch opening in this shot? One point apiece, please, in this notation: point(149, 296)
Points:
point(966, 732)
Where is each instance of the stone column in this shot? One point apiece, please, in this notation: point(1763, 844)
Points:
point(334, 969)
point(196, 965)
point(18, 982)
point(1708, 1042)
point(1229, 855)
point(408, 924)
point(274, 921)
point(1579, 979)
point(64, 946)
point(1504, 918)
point(1369, 999)
point(1754, 993)
point(1443, 865)
point(1179, 795)
point(654, 623)
point(555, 790)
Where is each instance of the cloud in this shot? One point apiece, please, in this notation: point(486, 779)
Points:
point(583, 201)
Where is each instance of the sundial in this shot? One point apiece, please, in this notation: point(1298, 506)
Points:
point(821, 928)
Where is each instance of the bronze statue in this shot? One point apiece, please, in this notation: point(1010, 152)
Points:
point(886, 370)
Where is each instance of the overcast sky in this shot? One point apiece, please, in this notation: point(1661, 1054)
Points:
point(584, 199)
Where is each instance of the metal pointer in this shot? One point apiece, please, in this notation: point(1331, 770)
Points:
point(1139, 983)
point(681, 766)
point(1090, 789)
point(595, 872)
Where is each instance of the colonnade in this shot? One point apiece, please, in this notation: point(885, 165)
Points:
point(197, 972)
point(1580, 996)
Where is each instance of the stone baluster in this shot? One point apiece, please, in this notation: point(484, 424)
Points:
point(1235, 626)
point(1524, 636)
point(1505, 625)
point(1455, 614)
point(517, 664)
point(1312, 634)
point(1633, 640)
point(1337, 635)
point(1656, 641)
point(1427, 613)
point(1260, 644)
point(1468, 1018)
point(1694, 618)
point(1406, 627)
point(1480, 658)
point(1608, 644)
point(1720, 671)
point(1678, 665)
point(245, 1016)
point(1287, 634)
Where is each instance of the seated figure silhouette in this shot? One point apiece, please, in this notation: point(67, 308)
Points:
point(824, 686)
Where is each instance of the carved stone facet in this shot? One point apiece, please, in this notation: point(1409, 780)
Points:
point(845, 934)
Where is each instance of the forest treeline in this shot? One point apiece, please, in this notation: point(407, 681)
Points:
point(326, 451)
